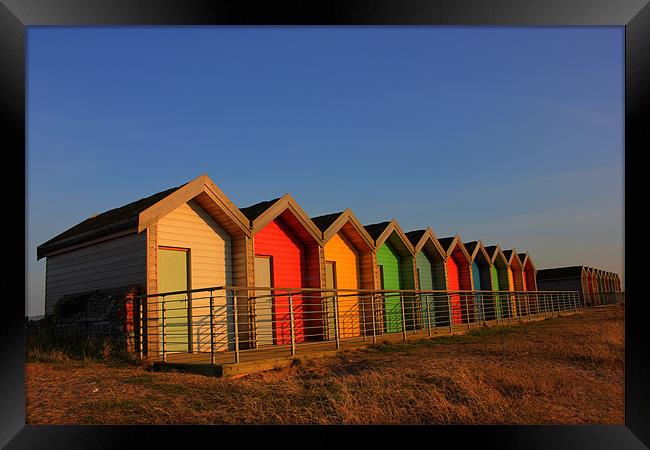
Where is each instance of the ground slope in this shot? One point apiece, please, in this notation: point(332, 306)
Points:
point(565, 370)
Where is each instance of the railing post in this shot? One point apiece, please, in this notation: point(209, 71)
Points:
point(482, 308)
point(374, 327)
point(510, 297)
point(466, 310)
point(401, 302)
point(291, 325)
point(451, 321)
point(141, 330)
point(552, 295)
point(428, 314)
point(162, 304)
point(545, 302)
point(528, 307)
point(336, 320)
point(211, 327)
point(236, 323)
point(363, 322)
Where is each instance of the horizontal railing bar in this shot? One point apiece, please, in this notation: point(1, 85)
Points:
point(304, 289)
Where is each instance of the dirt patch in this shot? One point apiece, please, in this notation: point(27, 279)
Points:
point(565, 370)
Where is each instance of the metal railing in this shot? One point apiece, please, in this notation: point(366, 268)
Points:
point(603, 298)
point(231, 324)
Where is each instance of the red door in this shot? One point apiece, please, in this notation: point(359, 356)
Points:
point(454, 285)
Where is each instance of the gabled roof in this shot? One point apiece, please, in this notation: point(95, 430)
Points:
point(375, 229)
point(524, 258)
point(416, 236)
point(474, 248)
point(471, 247)
point(325, 221)
point(450, 242)
point(138, 215)
point(208, 195)
point(420, 238)
point(330, 224)
point(495, 252)
point(446, 242)
point(109, 222)
point(261, 214)
point(561, 273)
point(511, 255)
point(380, 232)
point(254, 211)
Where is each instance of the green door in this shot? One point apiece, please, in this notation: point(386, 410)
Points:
point(496, 312)
point(172, 276)
point(389, 261)
point(263, 301)
point(330, 283)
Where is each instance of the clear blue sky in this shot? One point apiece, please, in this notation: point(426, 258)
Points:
point(508, 135)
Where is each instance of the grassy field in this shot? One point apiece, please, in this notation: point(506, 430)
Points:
point(565, 370)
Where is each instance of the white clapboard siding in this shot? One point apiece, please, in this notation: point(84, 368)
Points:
point(190, 226)
point(112, 264)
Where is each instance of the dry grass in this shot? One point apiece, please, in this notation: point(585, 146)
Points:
point(566, 370)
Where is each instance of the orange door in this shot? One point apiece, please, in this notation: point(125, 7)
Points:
point(345, 259)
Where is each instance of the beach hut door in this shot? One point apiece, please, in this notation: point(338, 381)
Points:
point(172, 276)
point(330, 279)
point(263, 301)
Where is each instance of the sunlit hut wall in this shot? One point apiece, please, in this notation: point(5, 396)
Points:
point(459, 277)
point(187, 237)
point(349, 260)
point(395, 271)
point(517, 274)
point(201, 229)
point(528, 279)
point(601, 284)
point(600, 276)
point(431, 272)
point(530, 271)
point(286, 250)
point(593, 289)
point(570, 278)
point(501, 281)
point(585, 285)
point(481, 276)
point(610, 282)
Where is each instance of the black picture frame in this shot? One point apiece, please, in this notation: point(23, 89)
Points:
point(634, 15)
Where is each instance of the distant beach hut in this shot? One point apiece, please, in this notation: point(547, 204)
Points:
point(459, 278)
point(430, 260)
point(395, 271)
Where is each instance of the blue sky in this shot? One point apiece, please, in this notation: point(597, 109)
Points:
point(509, 135)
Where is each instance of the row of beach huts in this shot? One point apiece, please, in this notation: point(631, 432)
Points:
point(193, 237)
